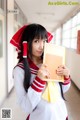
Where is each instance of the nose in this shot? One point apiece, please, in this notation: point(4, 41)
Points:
point(41, 46)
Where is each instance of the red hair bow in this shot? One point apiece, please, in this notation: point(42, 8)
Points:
point(16, 39)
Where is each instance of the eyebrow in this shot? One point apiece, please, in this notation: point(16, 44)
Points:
point(41, 39)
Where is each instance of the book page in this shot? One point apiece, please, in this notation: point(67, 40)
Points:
point(53, 57)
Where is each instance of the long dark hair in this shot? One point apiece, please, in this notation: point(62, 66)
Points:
point(31, 31)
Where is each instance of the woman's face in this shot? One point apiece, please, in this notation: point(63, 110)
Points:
point(37, 47)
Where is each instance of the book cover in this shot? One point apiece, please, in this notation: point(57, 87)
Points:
point(53, 57)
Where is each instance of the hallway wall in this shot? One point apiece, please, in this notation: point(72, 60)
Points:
point(73, 63)
point(10, 32)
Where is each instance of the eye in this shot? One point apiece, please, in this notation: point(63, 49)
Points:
point(36, 40)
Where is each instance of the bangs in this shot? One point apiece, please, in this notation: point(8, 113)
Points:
point(37, 31)
point(40, 34)
point(34, 31)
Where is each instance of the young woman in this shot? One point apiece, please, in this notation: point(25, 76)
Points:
point(29, 76)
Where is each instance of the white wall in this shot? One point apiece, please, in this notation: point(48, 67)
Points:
point(73, 63)
point(3, 87)
point(10, 32)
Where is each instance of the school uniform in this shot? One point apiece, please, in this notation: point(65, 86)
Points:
point(32, 102)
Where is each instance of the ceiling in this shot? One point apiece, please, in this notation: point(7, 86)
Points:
point(47, 14)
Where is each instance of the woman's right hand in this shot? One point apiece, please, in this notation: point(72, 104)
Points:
point(43, 72)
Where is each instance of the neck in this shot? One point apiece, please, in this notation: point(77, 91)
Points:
point(36, 60)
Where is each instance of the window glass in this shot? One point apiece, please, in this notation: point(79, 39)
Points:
point(74, 21)
point(58, 36)
point(2, 4)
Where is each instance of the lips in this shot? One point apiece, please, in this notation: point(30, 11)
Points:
point(39, 52)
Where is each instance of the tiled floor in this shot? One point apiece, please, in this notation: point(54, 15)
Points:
point(73, 105)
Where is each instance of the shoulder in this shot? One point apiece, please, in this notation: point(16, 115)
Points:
point(18, 69)
point(18, 75)
point(18, 72)
point(21, 65)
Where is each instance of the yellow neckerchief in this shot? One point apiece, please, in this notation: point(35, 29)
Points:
point(51, 92)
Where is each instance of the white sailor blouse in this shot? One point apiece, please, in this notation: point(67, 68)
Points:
point(32, 103)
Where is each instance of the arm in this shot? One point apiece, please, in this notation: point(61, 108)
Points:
point(28, 101)
point(67, 83)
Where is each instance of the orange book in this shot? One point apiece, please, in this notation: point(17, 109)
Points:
point(54, 56)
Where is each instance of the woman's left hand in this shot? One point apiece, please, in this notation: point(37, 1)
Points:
point(63, 71)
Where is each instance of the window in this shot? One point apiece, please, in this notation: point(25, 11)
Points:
point(66, 33)
point(58, 36)
point(78, 18)
point(2, 4)
point(69, 32)
point(74, 21)
point(69, 35)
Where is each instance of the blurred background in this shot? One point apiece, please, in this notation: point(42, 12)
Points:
point(62, 19)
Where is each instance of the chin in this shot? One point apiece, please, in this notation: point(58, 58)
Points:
point(39, 55)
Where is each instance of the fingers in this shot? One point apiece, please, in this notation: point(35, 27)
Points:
point(62, 71)
point(43, 72)
point(62, 66)
point(59, 70)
